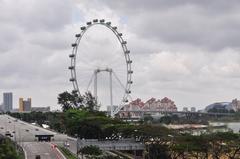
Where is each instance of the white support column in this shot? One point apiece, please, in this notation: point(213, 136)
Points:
point(95, 83)
point(111, 95)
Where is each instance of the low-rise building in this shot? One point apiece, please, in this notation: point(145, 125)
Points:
point(193, 109)
point(151, 105)
point(40, 109)
point(185, 109)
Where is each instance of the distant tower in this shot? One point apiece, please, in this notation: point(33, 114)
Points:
point(7, 101)
point(25, 105)
point(20, 104)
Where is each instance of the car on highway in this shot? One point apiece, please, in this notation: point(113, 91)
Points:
point(27, 130)
point(66, 144)
point(36, 129)
point(38, 157)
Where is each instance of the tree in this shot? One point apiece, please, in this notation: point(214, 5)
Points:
point(7, 149)
point(226, 143)
point(75, 101)
point(158, 151)
point(70, 100)
point(90, 102)
point(165, 120)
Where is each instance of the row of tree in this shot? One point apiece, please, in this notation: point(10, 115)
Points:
point(80, 118)
point(216, 146)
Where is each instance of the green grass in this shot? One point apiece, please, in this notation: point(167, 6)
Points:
point(67, 153)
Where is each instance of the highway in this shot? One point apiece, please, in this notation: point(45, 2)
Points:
point(24, 134)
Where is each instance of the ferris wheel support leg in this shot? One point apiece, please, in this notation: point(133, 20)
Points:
point(111, 94)
point(95, 84)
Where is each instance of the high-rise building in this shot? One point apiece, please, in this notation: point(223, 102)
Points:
point(25, 105)
point(7, 101)
point(20, 104)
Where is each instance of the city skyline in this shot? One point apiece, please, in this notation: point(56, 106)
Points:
point(187, 51)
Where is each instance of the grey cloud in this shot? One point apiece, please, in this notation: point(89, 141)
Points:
point(37, 15)
point(211, 25)
point(170, 42)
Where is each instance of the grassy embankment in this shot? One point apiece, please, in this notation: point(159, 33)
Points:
point(67, 153)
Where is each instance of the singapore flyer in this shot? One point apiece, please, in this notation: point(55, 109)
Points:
point(101, 64)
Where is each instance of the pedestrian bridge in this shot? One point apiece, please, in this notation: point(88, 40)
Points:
point(123, 144)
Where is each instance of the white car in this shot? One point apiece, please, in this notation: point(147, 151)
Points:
point(66, 144)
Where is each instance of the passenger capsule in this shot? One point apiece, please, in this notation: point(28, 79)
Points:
point(124, 42)
point(71, 55)
point(72, 79)
point(128, 91)
point(130, 71)
point(83, 28)
point(130, 82)
point(89, 23)
point(74, 45)
point(74, 91)
point(77, 35)
point(127, 51)
point(71, 67)
point(102, 21)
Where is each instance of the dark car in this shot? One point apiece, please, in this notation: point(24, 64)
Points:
point(38, 157)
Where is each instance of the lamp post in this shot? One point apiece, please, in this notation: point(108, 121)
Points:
point(77, 145)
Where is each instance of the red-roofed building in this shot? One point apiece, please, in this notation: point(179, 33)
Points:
point(152, 104)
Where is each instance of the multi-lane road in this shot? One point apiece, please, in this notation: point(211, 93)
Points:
point(24, 133)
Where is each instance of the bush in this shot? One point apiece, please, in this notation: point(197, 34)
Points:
point(91, 150)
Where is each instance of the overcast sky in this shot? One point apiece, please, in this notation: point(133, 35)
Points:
point(185, 50)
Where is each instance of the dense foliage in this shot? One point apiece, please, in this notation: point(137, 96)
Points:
point(80, 119)
point(7, 149)
point(91, 150)
point(215, 145)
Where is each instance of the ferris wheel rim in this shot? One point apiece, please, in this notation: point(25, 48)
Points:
point(126, 52)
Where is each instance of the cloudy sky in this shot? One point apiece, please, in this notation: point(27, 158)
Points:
point(185, 50)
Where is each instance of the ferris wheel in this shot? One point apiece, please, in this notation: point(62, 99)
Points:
point(95, 64)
